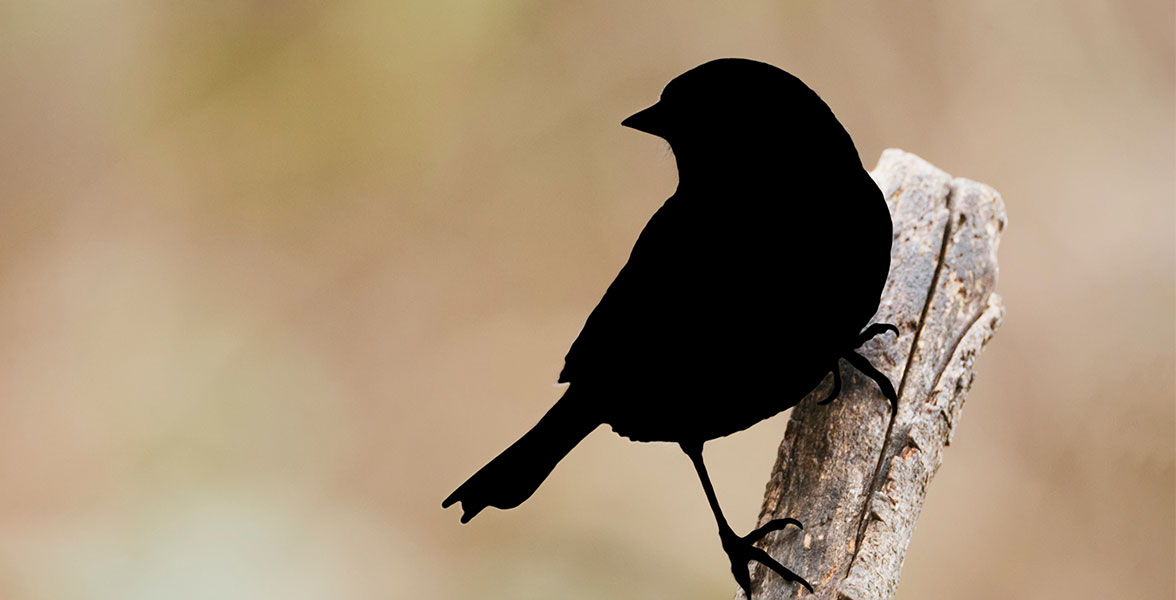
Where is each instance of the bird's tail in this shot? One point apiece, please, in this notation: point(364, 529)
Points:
point(515, 474)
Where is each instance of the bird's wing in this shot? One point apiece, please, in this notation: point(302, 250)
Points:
point(725, 293)
point(700, 290)
point(635, 307)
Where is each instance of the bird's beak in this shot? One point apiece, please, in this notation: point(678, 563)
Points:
point(650, 120)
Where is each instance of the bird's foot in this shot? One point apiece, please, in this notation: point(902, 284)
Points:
point(866, 335)
point(741, 551)
point(867, 369)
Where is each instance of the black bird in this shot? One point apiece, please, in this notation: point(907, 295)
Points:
point(740, 296)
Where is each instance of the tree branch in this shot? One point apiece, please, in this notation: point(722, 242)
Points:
point(852, 474)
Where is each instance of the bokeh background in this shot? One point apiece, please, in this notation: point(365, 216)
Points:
point(277, 276)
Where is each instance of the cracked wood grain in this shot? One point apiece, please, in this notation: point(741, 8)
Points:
point(853, 474)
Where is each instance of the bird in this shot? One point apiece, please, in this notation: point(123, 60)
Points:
point(740, 297)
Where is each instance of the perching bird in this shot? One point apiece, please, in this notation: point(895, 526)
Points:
point(740, 296)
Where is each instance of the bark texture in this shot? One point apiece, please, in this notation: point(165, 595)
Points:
point(853, 474)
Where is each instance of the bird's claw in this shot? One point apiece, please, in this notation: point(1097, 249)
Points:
point(774, 525)
point(884, 384)
point(741, 551)
point(836, 384)
point(867, 369)
point(874, 330)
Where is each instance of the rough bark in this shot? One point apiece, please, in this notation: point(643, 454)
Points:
point(853, 474)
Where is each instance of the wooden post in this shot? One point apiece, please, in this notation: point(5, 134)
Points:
point(855, 476)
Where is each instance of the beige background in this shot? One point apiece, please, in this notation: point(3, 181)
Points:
point(278, 276)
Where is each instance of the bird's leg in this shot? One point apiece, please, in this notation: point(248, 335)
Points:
point(740, 550)
point(836, 383)
point(873, 330)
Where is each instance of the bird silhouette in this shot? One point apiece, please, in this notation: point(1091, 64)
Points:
point(741, 294)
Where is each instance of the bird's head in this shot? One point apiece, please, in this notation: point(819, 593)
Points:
point(735, 109)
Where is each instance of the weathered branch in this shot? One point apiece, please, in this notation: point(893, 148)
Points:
point(853, 475)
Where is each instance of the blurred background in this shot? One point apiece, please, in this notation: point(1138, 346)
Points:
point(278, 276)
